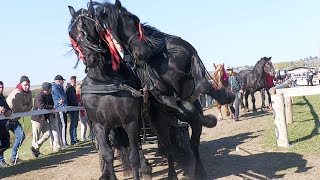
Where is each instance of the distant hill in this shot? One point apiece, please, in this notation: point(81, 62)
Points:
point(298, 63)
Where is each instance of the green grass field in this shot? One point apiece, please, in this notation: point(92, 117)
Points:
point(303, 133)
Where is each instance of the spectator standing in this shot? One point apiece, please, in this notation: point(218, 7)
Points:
point(19, 100)
point(83, 116)
point(310, 78)
point(4, 133)
point(74, 115)
point(44, 123)
point(235, 86)
point(60, 99)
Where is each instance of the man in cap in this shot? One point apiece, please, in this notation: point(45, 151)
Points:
point(60, 99)
point(40, 126)
point(235, 86)
point(19, 100)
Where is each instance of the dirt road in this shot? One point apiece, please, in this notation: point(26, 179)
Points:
point(231, 150)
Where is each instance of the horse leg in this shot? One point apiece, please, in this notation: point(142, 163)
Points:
point(133, 134)
point(196, 127)
point(226, 107)
point(202, 85)
point(106, 152)
point(263, 97)
point(246, 101)
point(160, 122)
point(220, 117)
point(197, 115)
point(146, 169)
point(253, 102)
point(187, 109)
point(241, 103)
point(269, 98)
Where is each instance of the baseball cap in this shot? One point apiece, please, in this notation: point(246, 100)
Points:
point(59, 77)
point(46, 86)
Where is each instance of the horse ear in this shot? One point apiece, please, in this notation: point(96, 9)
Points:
point(215, 66)
point(118, 4)
point(72, 11)
point(91, 8)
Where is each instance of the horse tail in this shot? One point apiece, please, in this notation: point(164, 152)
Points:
point(200, 75)
point(121, 143)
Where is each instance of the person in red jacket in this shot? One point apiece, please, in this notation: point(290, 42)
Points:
point(269, 84)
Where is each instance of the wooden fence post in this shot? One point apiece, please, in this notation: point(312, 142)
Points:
point(280, 120)
point(288, 104)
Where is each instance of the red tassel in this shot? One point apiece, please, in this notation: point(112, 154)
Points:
point(77, 48)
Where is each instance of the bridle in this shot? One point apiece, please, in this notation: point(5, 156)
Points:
point(104, 34)
point(90, 46)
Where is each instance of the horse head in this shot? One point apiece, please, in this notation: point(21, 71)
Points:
point(220, 75)
point(84, 32)
point(268, 67)
point(264, 65)
point(125, 28)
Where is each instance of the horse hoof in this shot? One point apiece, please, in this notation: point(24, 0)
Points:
point(201, 175)
point(172, 176)
point(209, 121)
point(255, 111)
point(146, 176)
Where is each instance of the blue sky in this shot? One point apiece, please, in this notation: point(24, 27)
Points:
point(34, 34)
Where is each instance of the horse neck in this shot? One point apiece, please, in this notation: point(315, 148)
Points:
point(258, 71)
point(105, 75)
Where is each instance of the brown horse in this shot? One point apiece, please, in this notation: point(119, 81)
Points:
point(220, 76)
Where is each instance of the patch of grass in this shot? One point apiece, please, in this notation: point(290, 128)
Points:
point(303, 133)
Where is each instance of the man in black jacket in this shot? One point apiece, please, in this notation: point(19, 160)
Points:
point(74, 115)
point(42, 128)
point(4, 133)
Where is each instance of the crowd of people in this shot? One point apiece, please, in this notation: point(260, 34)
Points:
point(45, 126)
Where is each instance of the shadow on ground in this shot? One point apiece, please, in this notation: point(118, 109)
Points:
point(315, 116)
point(220, 160)
point(49, 161)
point(257, 114)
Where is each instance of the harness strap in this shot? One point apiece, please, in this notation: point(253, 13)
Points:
point(108, 89)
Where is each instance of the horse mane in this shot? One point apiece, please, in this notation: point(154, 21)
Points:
point(256, 66)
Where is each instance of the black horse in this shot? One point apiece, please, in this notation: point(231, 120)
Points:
point(161, 113)
point(254, 80)
point(108, 96)
point(168, 65)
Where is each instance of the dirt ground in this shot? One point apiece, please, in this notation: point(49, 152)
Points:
point(231, 150)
